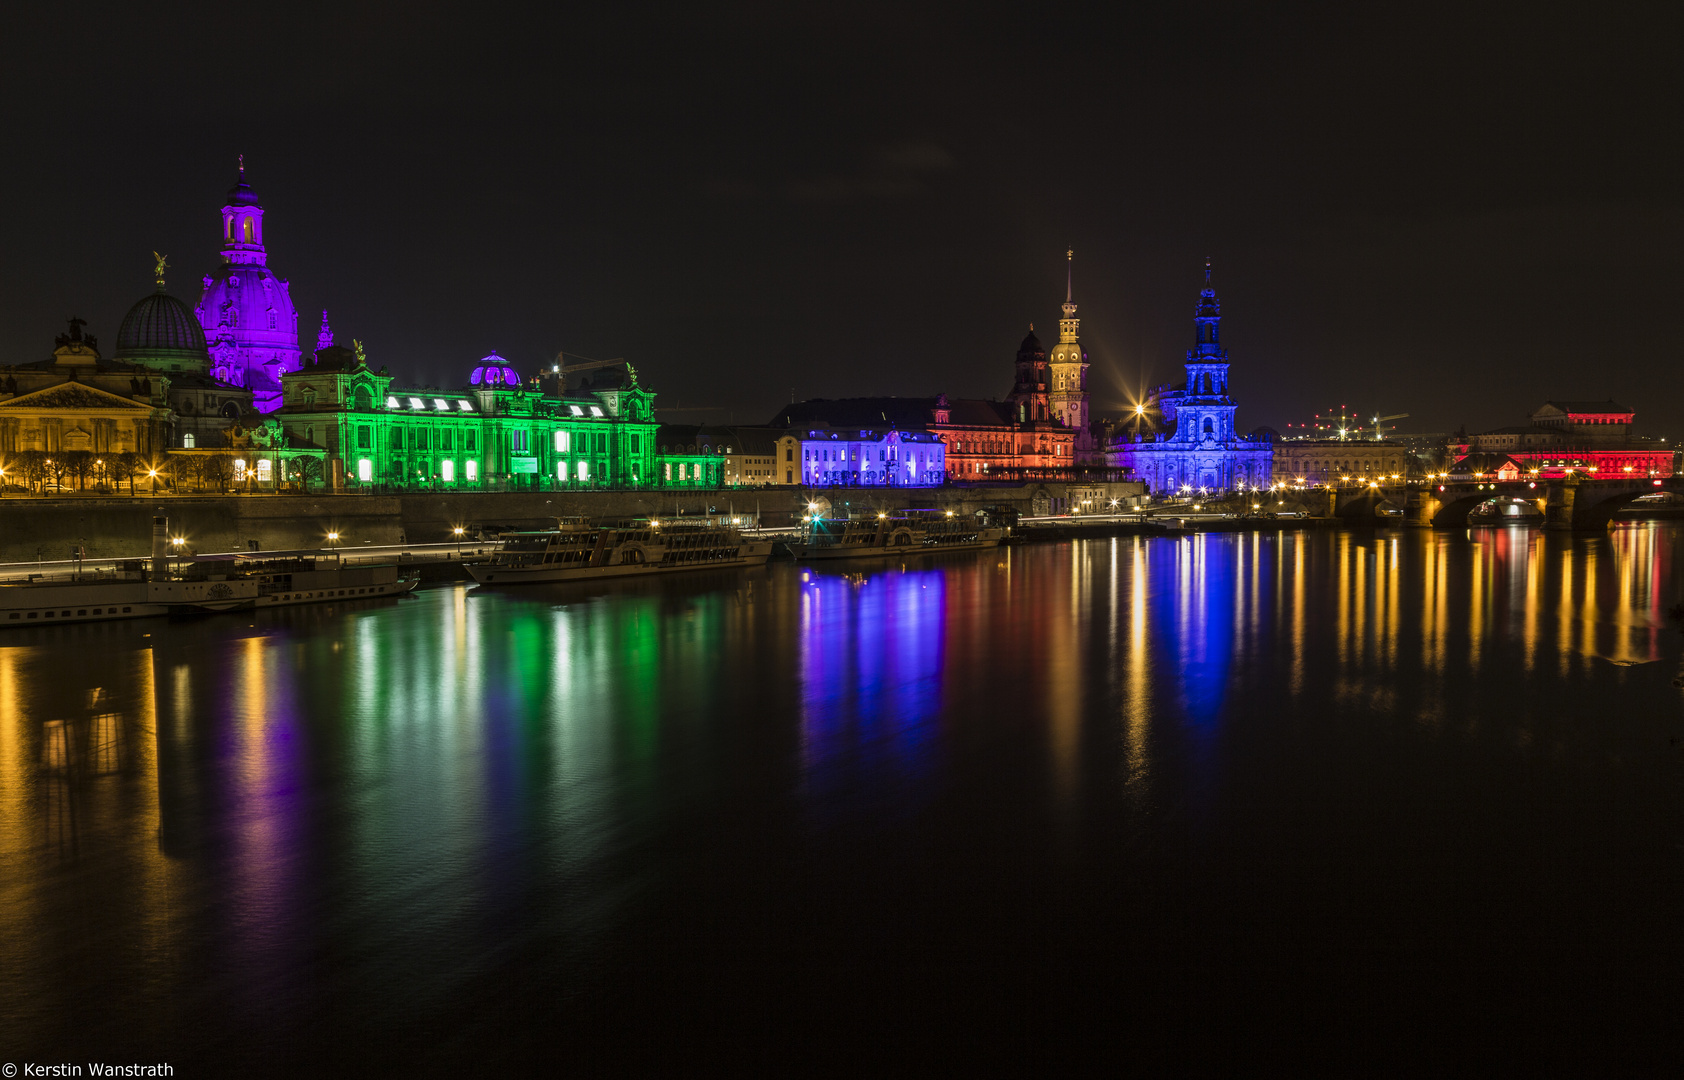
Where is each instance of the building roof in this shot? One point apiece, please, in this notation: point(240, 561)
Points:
point(161, 325)
point(1606, 406)
point(241, 193)
point(1484, 464)
point(755, 440)
point(857, 412)
point(679, 438)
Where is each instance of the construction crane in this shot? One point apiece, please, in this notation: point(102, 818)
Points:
point(1379, 419)
point(561, 366)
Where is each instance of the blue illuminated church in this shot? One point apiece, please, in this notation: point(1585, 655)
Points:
point(1183, 436)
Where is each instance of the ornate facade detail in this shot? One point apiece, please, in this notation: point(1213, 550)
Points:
point(1196, 447)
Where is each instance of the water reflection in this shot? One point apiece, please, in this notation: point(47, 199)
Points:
point(391, 809)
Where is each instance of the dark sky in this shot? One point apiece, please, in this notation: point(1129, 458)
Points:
point(1454, 213)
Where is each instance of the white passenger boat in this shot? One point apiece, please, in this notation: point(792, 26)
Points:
point(135, 590)
point(891, 535)
point(117, 594)
point(577, 551)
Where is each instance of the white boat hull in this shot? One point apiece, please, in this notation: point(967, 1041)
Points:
point(752, 553)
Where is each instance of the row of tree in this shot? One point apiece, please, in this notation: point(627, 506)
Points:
point(47, 472)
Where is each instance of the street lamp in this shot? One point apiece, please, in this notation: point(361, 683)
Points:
point(333, 540)
point(458, 530)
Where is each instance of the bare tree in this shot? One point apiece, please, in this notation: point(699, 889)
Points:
point(187, 469)
point(123, 466)
point(32, 467)
point(219, 470)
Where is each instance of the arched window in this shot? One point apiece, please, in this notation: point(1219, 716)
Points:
point(1210, 426)
point(247, 229)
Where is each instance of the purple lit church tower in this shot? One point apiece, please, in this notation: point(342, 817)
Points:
point(250, 325)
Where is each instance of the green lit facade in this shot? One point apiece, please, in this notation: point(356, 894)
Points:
point(500, 433)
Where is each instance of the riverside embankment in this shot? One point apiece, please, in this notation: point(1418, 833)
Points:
point(119, 527)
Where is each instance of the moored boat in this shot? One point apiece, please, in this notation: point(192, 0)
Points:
point(578, 551)
point(134, 590)
point(890, 535)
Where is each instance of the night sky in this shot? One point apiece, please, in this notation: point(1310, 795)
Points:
point(1450, 213)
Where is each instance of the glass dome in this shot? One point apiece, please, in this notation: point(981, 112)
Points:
point(493, 370)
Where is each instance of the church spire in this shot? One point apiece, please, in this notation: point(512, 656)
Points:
point(242, 223)
point(1068, 325)
point(324, 337)
point(1207, 321)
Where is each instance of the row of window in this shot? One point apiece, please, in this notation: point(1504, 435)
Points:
point(80, 613)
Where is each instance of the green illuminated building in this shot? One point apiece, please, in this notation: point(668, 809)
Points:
point(558, 431)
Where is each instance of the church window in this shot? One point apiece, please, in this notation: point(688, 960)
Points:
point(1210, 428)
point(248, 230)
point(561, 442)
point(364, 437)
point(468, 442)
point(187, 441)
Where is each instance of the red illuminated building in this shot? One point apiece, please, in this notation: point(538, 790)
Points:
point(1583, 437)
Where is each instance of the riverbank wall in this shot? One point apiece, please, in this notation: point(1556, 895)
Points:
point(108, 527)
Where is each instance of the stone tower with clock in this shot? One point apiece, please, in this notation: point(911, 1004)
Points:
point(1067, 370)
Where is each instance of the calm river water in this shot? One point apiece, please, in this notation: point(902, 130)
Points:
point(1343, 797)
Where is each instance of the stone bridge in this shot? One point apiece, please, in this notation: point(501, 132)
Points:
point(1572, 502)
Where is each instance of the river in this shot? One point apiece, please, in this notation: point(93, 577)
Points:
point(1323, 795)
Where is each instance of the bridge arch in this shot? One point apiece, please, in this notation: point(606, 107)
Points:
point(1594, 509)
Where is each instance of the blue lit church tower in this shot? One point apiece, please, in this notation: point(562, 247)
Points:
point(1196, 446)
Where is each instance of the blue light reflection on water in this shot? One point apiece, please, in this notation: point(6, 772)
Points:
point(418, 812)
point(871, 655)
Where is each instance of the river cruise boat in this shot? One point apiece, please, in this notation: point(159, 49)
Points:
point(579, 551)
point(309, 577)
point(893, 535)
point(124, 593)
point(171, 585)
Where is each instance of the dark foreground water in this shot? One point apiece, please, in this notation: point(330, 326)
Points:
point(1342, 799)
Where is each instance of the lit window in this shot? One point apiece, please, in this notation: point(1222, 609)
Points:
point(472, 470)
point(561, 442)
point(365, 470)
point(417, 403)
point(187, 441)
point(584, 471)
point(465, 405)
point(393, 403)
point(561, 471)
point(265, 470)
point(576, 410)
point(595, 411)
point(239, 469)
point(441, 404)
point(447, 470)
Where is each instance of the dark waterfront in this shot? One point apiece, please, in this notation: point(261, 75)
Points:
point(1347, 798)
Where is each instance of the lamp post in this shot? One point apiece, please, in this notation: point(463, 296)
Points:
point(333, 542)
point(457, 531)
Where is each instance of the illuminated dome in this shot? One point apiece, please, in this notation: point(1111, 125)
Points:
point(493, 370)
point(161, 333)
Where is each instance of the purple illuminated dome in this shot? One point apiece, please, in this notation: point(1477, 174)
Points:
point(249, 322)
point(492, 371)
